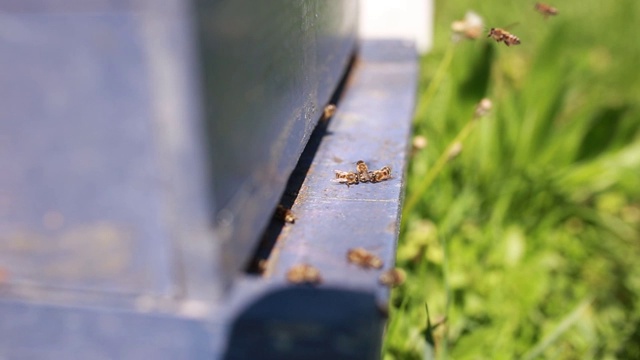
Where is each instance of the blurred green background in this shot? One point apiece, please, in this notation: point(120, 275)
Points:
point(527, 244)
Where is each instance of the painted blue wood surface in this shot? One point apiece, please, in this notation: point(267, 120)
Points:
point(372, 124)
point(270, 69)
point(128, 127)
point(143, 147)
point(260, 315)
point(104, 183)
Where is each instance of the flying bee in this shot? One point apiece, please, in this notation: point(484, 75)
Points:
point(285, 214)
point(363, 258)
point(347, 177)
point(392, 277)
point(381, 175)
point(304, 274)
point(546, 10)
point(503, 35)
point(363, 171)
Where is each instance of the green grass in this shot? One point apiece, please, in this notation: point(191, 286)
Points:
point(526, 245)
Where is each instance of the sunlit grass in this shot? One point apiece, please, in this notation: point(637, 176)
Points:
point(526, 244)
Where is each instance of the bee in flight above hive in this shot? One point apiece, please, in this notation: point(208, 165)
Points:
point(546, 10)
point(501, 35)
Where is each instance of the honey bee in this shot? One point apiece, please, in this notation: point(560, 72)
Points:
point(304, 274)
point(347, 177)
point(392, 277)
point(381, 175)
point(364, 175)
point(504, 36)
point(546, 10)
point(285, 214)
point(363, 258)
point(328, 112)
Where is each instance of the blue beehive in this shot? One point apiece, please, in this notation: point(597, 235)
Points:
point(143, 147)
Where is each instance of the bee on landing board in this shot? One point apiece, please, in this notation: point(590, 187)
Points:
point(362, 175)
point(546, 10)
point(347, 177)
point(363, 171)
point(328, 112)
point(285, 214)
point(381, 175)
point(501, 35)
point(304, 274)
point(363, 258)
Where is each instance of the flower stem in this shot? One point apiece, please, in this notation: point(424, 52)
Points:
point(434, 85)
point(436, 169)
